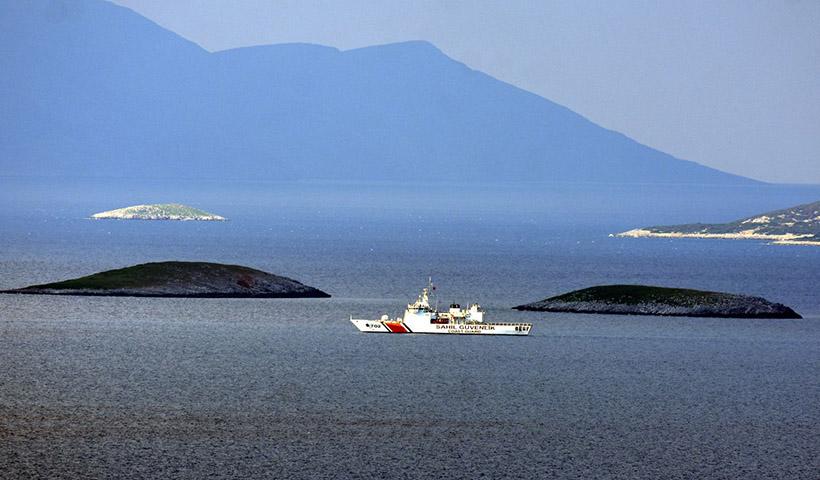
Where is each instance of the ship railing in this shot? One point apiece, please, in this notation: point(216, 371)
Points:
point(513, 324)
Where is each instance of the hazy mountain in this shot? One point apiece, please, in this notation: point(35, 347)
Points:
point(91, 88)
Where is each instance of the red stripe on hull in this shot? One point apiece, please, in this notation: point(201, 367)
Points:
point(396, 327)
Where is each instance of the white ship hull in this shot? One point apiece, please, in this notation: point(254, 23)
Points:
point(421, 317)
point(472, 328)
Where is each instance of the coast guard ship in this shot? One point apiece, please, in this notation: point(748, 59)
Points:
point(420, 317)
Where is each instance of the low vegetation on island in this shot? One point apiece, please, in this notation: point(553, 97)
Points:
point(159, 211)
point(662, 301)
point(798, 225)
point(180, 279)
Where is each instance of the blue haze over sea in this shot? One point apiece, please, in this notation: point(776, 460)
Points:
point(191, 388)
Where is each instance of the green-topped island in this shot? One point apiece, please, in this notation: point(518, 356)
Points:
point(662, 301)
point(179, 279)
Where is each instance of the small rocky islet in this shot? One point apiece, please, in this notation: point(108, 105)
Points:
point(179, 279)
point(159, 211)
point(660, 301)
point(216, 280)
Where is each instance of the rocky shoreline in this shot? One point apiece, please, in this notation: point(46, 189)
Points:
point(798, 225)
point(785, 239)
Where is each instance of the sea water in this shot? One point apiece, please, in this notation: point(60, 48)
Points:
point(270, 388)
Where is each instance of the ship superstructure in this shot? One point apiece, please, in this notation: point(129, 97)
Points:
point(421, 317)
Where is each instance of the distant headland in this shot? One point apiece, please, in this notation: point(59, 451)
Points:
point(798, 225)
point(662, 301)
point(179, 279)
point(159, 211)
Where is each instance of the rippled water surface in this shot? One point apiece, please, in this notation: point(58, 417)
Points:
point(200, 388)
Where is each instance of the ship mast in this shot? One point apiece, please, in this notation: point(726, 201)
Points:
point(431, 288)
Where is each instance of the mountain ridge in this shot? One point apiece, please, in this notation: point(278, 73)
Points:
point(289, 111)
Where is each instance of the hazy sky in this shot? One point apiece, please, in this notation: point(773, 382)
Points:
point(730, 84)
